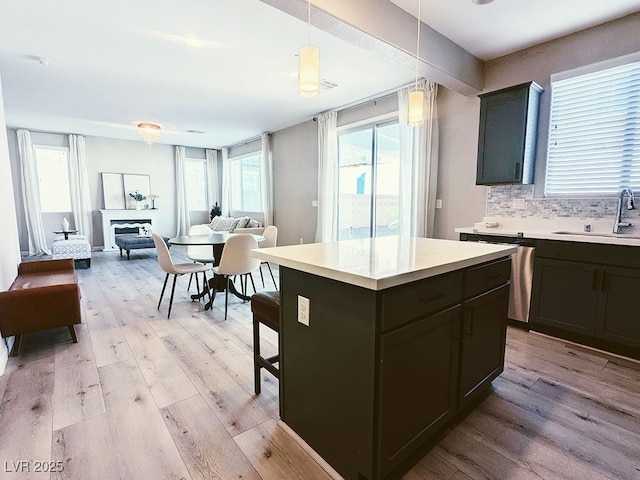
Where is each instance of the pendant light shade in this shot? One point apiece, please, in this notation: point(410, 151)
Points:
point(309, 71)
point(416, 107)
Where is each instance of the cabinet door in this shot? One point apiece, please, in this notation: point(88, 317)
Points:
point(502, 137)
point(565, 295)
point(618, 314)
point(484, 329)
point(418, 376)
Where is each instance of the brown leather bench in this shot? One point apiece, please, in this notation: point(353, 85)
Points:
point(44, 295)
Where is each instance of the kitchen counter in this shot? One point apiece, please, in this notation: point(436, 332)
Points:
point(567, 234)
point(383, 262)
point(383, 342)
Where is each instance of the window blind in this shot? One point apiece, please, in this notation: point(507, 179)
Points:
point(594, 133)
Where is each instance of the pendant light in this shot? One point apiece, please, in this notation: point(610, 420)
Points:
point(416, 96)
point(309, 64)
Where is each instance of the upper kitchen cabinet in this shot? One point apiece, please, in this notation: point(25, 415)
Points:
point(508, 131)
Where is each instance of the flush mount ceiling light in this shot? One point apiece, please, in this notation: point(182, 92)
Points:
point(309, 65)
point(193, 42)
point(149, 131)
point(481, 2)
point(416, 97)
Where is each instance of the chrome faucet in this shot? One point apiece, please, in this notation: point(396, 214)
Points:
point(619, 224)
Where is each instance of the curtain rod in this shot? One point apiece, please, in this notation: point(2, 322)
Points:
point(371, 99)
point(247, 141)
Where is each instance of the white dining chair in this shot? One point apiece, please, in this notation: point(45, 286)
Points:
point(236, 259)
point(166, 263)
point(199, 253)
point(270, 235)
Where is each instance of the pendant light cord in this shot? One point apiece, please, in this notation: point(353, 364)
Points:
point(309, 20)
point(417, 42)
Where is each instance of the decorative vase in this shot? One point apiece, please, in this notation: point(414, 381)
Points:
point(65, 224)
point(138, 205)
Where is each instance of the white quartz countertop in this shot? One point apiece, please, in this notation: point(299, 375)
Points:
point(565, 234)
point(383, 262)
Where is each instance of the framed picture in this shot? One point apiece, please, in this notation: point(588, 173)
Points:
point(136, 183)
point(113, 191)
point(116, 188)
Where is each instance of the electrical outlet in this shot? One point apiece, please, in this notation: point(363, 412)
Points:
point(303, 310)
point(438, 203)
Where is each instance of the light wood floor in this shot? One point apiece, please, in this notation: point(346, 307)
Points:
point(143, 397)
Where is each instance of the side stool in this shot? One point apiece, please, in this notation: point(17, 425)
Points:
point(265, 307)
point(76, 247)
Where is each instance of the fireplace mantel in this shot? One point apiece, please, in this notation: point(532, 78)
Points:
point(112, 219)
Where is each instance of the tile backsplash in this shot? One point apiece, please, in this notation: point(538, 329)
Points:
point(503, 200)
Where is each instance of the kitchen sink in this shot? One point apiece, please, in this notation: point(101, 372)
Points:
point(597, 234)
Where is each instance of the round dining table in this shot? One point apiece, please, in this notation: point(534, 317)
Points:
point(217, 241)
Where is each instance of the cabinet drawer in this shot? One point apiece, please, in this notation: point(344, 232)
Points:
point(422, 298)
point(486, 277)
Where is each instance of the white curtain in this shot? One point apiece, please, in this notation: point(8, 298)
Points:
point(182, 209)
point(80, 193)
point(327, 227)
point(418, 164)
point(213, 180)
point(267, 179)
point(31, 196)
point(226, 187)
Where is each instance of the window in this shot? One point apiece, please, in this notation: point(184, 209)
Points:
point(369, 180)
point(52, 164)
point(246, 183)
point(196, 183)
point(594, 133)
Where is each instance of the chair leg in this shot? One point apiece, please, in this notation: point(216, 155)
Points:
point(197, 283)
point(173, 289)
point(256, 354)
point(189, 284)
point(261, 276)
point(162, 293)
point(17, 343)
point(272, 277)
point(226, 298)
point(252, 283)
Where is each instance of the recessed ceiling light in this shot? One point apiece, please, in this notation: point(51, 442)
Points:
point(481, 2)
point(193, 42)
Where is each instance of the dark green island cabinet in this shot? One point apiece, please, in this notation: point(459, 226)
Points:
point(402, 335)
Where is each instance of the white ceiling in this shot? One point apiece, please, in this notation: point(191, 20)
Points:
point(111, 64)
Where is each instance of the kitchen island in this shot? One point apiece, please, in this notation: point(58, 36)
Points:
point(384, 341)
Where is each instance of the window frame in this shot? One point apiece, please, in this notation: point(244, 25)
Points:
point(205, 184)
point(35, 148)
point(239, 158)
point(625, 158)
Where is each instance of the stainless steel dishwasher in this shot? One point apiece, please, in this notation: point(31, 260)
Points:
point(521, 271)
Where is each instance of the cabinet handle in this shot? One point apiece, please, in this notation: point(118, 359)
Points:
point(517, 170)
point(594, 282)
point(603, 284)
point(431, 298)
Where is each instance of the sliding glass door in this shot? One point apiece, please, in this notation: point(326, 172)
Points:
point(368, 183)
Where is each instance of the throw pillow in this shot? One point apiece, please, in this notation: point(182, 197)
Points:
point(221, 224)
point(234, 224)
